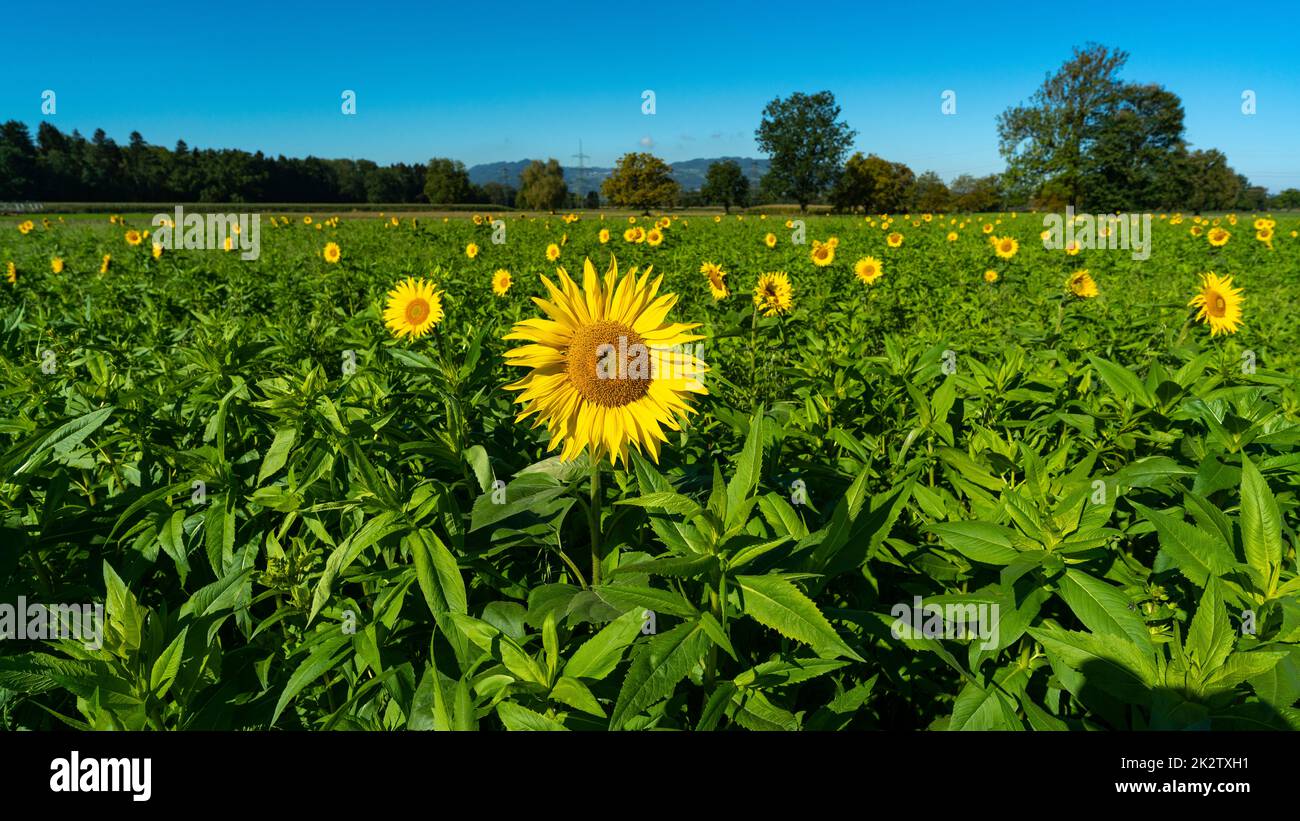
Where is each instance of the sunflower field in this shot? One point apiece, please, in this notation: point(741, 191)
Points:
point(693, 472)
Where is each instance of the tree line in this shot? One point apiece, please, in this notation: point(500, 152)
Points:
point(1085, 138)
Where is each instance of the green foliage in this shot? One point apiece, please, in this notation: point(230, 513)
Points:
point(640, 181)
point(542, 186)
point(282, 539)
point(806, 141)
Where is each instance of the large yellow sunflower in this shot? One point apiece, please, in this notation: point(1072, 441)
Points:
point(823, 254)
point(772, 294)
point(501, 282)
point(413, 308)
point(717, 279)
point(868, 269)
point(1220, 304)
point(605, 369)
point(1082, 285)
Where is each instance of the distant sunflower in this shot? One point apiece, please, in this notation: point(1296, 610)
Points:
point(56, 265)
point(717, 279)
point(26, 227)
point(990, 275)
point(772, 294)
point(1082, 285)
point(1005, 247)
point(11, 273)
point(629, 235)
point(823, 254)
point(332, 252)
point(604, 236)
point(103, 266)
point(471, 250)
point(894, 240)
point(770, 240)
point(1220, 304)
point(552, 252)
point(500, 282)
point(133, 237)
point(307, 220)
point(1265, 235)
point(952, 236)
point(987, 228)
point(157, 250)
point(654, 237)
point(868, 269)
point(1196, 230)
point(1218, 237)
point(413, 308)
point(586, 401)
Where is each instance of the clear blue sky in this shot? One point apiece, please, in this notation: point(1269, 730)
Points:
point(501, 81)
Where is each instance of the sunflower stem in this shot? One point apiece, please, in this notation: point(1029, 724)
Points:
point(593, 518)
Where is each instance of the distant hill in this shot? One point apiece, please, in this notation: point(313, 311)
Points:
point(688, 173)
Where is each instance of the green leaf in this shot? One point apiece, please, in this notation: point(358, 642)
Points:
point(323, 657)
point(1210, 637)
point(778, 604)
point(1121, 381)
point(515, 717)
point(1261, 527)
point(437, 573)
point(625, 596)
point(1198, 554)
point(600, 654)
point(983, 708)
point(574, 693)
point(122, 609)
point(978, 541)
point(167, 665)
point(749, 469)
point(278, 453)
point(656, 668)
point(65, 437)
point(1102, 608)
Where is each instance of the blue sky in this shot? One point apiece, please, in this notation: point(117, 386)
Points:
point(500, 81)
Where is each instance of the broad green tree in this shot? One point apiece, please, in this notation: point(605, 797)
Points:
point(446, 181)
point(1047, 140)
point(641, 181)
point(725, 184)
point(542, 186)
point(806, 141)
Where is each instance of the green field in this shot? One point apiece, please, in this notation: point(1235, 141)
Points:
point(296, 520)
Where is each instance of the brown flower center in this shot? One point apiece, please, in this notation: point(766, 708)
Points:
point(417, 311)
point(609, 364)
point(1218, 307)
